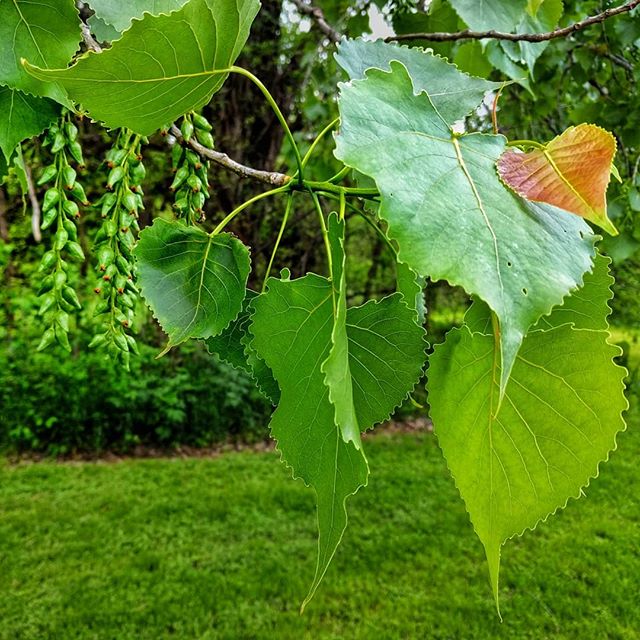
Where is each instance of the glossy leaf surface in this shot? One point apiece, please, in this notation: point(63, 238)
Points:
point(517, 464)
point(450, 214)
point(46, 32)
point(162, 67)
point(194, 283)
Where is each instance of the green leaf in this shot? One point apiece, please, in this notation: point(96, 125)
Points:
point(22, 116)
point(454, 94)
point(293, 329)
point(120, 13)
point(448, 211)
point(162, 67)
point(336, 366)
point(46, 32)
point(233, 345)
point(386, 356)
point(470, 58)
point(103, 31)
point(546, 18)
point(518, 464)
point(483, 15)
point(411, 286)
point(194, 282)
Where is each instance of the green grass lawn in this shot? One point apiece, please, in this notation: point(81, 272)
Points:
point(224, 548)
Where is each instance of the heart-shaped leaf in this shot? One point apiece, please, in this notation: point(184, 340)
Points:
point(571, 172)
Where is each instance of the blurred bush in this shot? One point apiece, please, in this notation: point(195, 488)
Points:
point(58, 404)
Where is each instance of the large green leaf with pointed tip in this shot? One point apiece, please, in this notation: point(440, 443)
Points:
point(46, 32)
point(483, 15)
point(162, 67)
point(293, 328)
point(120, 13)
point(448, 211)
point(516, 464)
point(23, 116)
point(194, 282)
point(453, 93)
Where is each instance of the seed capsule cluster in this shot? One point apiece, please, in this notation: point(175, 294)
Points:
point(114, 243)
point(60, 211)
point(191, 180)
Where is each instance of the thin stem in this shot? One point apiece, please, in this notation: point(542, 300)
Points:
point(276, 110)
point(246, 204)
point(319, 137)
point(348, 191)
point(287, 211)
point(525, 143)
point(369, 221)
point(323, 226)
point(343, 173)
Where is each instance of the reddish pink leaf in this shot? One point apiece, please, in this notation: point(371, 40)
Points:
point(571, 172)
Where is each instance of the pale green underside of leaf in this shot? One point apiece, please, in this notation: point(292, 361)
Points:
point(46, 32)
point(292, 327)
point(453, 93)
point(119, 13)
point(194, 283)
point(23, 116)
point(162, 67)
point(559, 419)
point(450, 214)
point(233, 345)
point(483, 15)
point(103, 31)
point(336, 366)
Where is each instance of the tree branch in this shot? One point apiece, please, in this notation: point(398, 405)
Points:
point(89, 41)
point(35, 204)
point(516, 37)
point(318, 16)
point(268, 177)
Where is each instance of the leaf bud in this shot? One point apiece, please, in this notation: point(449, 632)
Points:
point(58, 143)
point(51, 197)
point(176, 155)
point(108, 204)
point(205, 138)
point(194, 183)
point(62, 338)
point(75, 251)
point(48, 174)
point(78, 193)
point(48, 338)
point(48, 300)
point(59, 279)
point(62, 319)
point(181, 175)
point(121, 283)
point(76, 151)
point(71, 229)
point(106, 257)
point(130, 201)
point(138, 173)
point(201, 122)
point(48, 260)
point(71, 209)
point(61, 239)
point(48, 219)
point(186, 128)
point(98, 340)
point(68, 177)
point(123, 266)
point(70, 296)
point(115, 175)
point(71, 131)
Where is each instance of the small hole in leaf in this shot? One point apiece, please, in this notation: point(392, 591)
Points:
point(582, 235)
point(509, 264)
point(525, 292)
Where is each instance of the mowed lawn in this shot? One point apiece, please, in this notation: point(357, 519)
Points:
point(225, 548)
